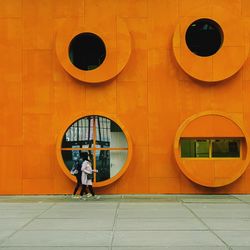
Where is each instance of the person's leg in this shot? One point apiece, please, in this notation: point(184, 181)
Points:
point(91, 190)
point(97, 197)
point(76, 188)
point(83, 189)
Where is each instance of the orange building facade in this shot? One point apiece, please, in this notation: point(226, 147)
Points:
point(155, 116)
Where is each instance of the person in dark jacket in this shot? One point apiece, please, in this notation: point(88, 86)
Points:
point(78, 175)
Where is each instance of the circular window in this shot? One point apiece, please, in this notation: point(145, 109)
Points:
point(207, 50)
point(87, 51)
point(212, 149)
point(204, 37)
point(89, 57)
point(105, 142)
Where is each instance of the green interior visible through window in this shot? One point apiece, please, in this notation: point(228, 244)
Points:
point(210, 148)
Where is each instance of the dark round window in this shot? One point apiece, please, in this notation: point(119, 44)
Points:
point(87, 51)
point(204, 37)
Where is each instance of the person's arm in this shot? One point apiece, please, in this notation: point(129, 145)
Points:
point(86, 169)
point(92, 170)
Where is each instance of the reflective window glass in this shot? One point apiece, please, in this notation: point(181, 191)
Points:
point(204, 37)
point(194, 148)
point(102, 138)
point(226, 148)
point(87, 51)
point(210, 148)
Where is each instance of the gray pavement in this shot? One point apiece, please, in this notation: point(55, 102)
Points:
point(125, 222)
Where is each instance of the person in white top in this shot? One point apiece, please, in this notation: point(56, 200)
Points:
point(87, 172)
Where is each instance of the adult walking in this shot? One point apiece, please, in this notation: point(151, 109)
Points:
point(87, 172)
point(78, 174)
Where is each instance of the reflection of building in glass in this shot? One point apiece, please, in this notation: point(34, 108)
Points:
point(81, 132)
point(103, 139)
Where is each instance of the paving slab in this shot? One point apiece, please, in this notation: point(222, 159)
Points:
point(153, 210)
point(28, 206)
point(19, 213)
point(227, 223)
point(59, 238)
point(152, 224)
point(171, 248)
point(163, 238)
point(152, 205)
point(80, 213)
point(244, 198)
point(220, 210)
point(55, 248)
point(235, 238)
point(66, 224)
point(208, 198)
point(4, 234)
point(13, 223)
point(239, 248)
point(85, 205)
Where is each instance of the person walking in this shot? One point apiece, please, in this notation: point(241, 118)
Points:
point(78, 174)
point(87, 172)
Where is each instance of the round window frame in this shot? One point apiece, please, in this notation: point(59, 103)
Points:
point(59, 148)
point(118, 49)
point(227, 61)
point(177, 153)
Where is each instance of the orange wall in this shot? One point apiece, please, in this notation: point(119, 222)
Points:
point(152, 96)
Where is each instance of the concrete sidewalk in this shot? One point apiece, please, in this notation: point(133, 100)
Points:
point(125, 222)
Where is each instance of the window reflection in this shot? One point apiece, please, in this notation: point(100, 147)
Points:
point(70, 156)
point(102, 138)
point(109, 163)
point(80, 133)
point(226, 148)
point(194, 148)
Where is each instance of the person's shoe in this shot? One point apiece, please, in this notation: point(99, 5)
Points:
point(97, 197)
point(88, 195)
point(82, 198)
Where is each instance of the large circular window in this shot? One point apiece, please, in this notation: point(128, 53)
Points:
point(87, 51)
point(212, 149)
point(204, 37)
point(104, 140)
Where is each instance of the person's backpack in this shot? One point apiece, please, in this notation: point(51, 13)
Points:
point(74, 170)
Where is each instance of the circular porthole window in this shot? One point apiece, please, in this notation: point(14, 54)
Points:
point(212, 149)
point(106, 143)
point(87, 51)
point(204, 37)
point(93, 52)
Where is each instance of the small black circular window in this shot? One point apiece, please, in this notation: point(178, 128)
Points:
point(87, 51)
point(204, 37)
